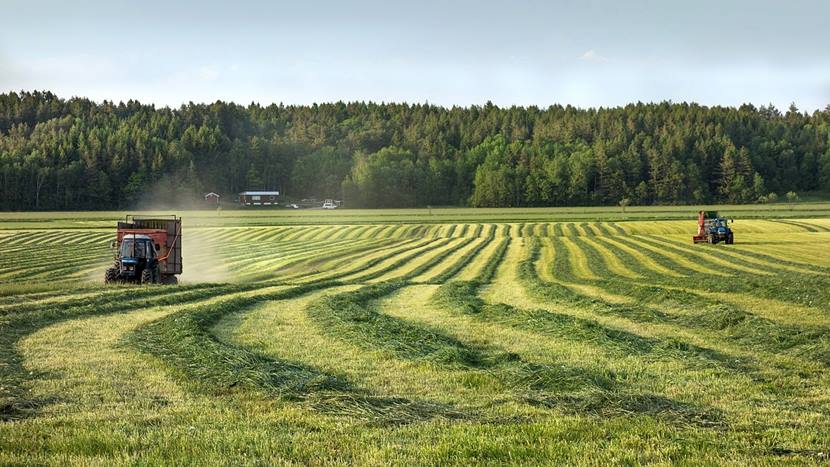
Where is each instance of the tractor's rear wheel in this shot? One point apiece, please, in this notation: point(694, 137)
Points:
point(111, 275)
point(730, 239)
point(148, 276)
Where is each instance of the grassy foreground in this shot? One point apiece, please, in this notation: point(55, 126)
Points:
point(422, 337)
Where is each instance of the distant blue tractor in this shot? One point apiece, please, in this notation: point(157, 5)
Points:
point(713, 229)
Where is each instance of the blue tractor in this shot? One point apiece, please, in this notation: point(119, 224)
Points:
point(713, 229)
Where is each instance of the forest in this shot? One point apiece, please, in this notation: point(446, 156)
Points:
point(73, 154)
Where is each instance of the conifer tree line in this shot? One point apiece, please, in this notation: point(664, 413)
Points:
point(71, 154)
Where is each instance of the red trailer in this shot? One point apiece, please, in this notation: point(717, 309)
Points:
point(147, 250)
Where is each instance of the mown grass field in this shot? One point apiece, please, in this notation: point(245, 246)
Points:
point(376, 337)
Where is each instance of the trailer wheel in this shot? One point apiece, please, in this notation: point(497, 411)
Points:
point(147, 276)
point(169, 279)
point(110, 276)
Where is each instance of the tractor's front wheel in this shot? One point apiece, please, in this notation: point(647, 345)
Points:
point(111, 275)
point(148, 276)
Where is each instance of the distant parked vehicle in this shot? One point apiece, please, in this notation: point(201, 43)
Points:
point(329, 204)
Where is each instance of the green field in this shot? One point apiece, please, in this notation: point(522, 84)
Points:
point(442, 336)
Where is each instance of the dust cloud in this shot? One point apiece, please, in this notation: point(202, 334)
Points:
point(202, 255)
point(202, 259)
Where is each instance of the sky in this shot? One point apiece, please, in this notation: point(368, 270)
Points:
point(587, 53)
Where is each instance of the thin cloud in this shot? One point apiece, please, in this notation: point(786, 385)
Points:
point(593, 56)
point(208, 73)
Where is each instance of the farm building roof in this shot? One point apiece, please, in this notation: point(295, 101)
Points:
point(260, 193)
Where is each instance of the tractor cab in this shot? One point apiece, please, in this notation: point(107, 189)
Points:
point(719, 226)
point(137, 253)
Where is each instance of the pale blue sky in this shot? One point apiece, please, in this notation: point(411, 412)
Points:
point(584, 53)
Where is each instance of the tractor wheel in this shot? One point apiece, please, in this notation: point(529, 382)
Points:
point(111, 275)
point(148, 276)
point(730, 239)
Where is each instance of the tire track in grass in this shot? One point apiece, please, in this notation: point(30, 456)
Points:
point(658, 257)
point(613, 263)
point(331, 265)
point(705, 256)
point(467, 256)
point(49, 271)
point(358, 232)
point(311, 264)
point(275, 269)
point(601, 229)
point(393, 262)
point(636, 260)
point(370, 260)
point(414, 265)
point(260, 255)
point(15, 403)
point(756, 254)
point(474, 269)
point(353, 317)
point(579, 265)
point(565, 295)
point(805, 290)
point(568, 259)
point(587, 229)
point(536, 320)
point(275, 260)
point(614, 399)
point(810, 255)
point(433, 258)
point(732, 322)
point(282, 330)
point(748, 261)
point(183, 341)
point(782, 377)
point(689, 263)
point(803, 225)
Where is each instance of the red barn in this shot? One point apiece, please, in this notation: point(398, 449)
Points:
point(212, 198)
